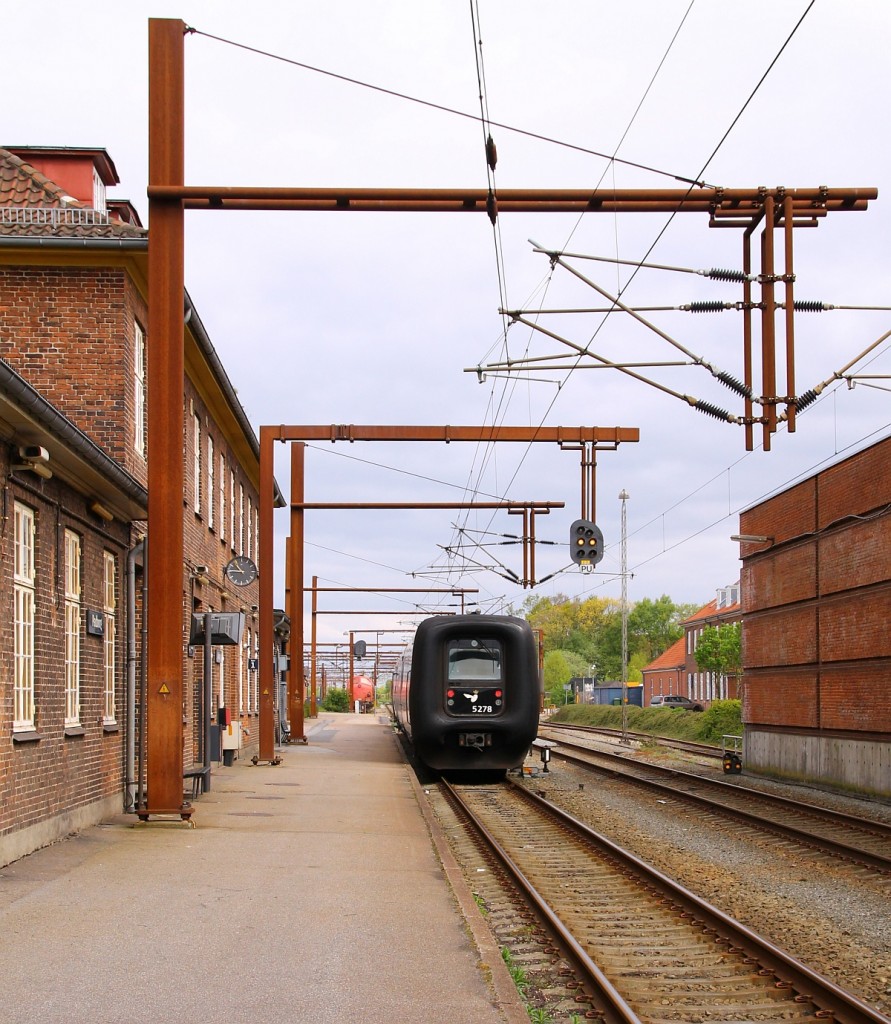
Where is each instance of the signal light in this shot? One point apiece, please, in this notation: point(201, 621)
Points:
point(585, 542)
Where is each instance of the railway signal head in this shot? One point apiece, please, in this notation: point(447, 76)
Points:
point(585, 542)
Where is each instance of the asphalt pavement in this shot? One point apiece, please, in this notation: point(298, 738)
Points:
point(319, 889)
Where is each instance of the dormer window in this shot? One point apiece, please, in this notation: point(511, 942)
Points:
point(98, 192)
point(728, 596)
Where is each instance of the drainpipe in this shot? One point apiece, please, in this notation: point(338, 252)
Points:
point(131, 761)
point(207, 703)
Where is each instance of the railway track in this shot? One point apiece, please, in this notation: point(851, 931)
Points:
point(644, 948)
point(859, 840)
point(707, 750)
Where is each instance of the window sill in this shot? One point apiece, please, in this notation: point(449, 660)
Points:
point(75, 730)
point(31, 736)
point(110, 727)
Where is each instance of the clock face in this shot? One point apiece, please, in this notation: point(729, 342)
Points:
point(241, 571)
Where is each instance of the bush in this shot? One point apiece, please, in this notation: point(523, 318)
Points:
point(722, 718)
point(336, 700)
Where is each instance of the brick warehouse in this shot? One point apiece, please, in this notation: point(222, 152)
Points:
point(73, 337)
point(816, 590)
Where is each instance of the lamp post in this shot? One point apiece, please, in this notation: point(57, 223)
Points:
point(623, 497)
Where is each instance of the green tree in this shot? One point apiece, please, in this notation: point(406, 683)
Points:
point(559, 668)
point(653, 626)
point(336, 699)
point(720, 650)
point(592, 630)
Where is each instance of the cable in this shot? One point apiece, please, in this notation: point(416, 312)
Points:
point(438, 106)
point(714, 152)
point(613, 160)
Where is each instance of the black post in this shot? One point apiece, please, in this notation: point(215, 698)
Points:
point(207, 713)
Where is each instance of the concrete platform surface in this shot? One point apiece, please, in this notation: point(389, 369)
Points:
point(317, 890)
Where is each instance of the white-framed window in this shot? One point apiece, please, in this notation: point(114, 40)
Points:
point(249, 547)
point(248, 649)
point(222, 497)
point(109, 639)
point(72, 628)
point(241, 517)
point(24, 583)
point(139, 405)
point(221, 700)
point(98, 192)
point(257, 672)
point(241, 679)
point(196, 457)
point(232, 509)
point(211, 495)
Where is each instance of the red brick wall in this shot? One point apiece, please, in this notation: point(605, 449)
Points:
point(856, 486)
point(855, 556)
point(203, 546)
point(855, 625)
point(819, 598)
point(785, 637)
point(780, 578)
point(69, 332)
point(776, 696)
point(855, 699)
point(58, 773)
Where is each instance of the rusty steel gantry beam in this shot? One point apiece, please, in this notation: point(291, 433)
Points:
point(726, 207)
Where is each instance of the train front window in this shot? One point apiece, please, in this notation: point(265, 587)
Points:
point(475, 682)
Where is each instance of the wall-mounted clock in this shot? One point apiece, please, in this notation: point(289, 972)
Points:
point(241, 571)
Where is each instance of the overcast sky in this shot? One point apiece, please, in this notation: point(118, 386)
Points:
point(373, 318)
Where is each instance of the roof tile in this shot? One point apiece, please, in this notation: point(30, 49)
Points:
point(31, 205)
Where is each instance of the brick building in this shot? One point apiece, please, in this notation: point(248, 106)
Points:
point(73, 337)
point(816, 587)
point(64, 549)
point(725, 609)
point(676, 671)
point(667, 673)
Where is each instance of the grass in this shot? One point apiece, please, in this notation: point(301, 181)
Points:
point(519, 976)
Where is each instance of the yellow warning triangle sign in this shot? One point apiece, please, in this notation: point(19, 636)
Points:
point(164, 688)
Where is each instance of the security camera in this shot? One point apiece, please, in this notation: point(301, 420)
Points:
point(33, 453)
point(201, 570)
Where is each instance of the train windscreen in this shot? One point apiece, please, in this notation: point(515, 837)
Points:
point(474, 677)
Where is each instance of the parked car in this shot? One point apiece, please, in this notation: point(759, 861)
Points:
point(674, 700)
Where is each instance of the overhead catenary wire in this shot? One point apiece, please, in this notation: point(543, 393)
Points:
point(714, 273)
point(512, 381)
point(698, 306)
point(704, 407)
point(710, 410)
point(721, 375)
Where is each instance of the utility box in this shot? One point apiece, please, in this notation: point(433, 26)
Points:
point(231, 741)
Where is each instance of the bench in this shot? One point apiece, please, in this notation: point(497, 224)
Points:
point(199, 775)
